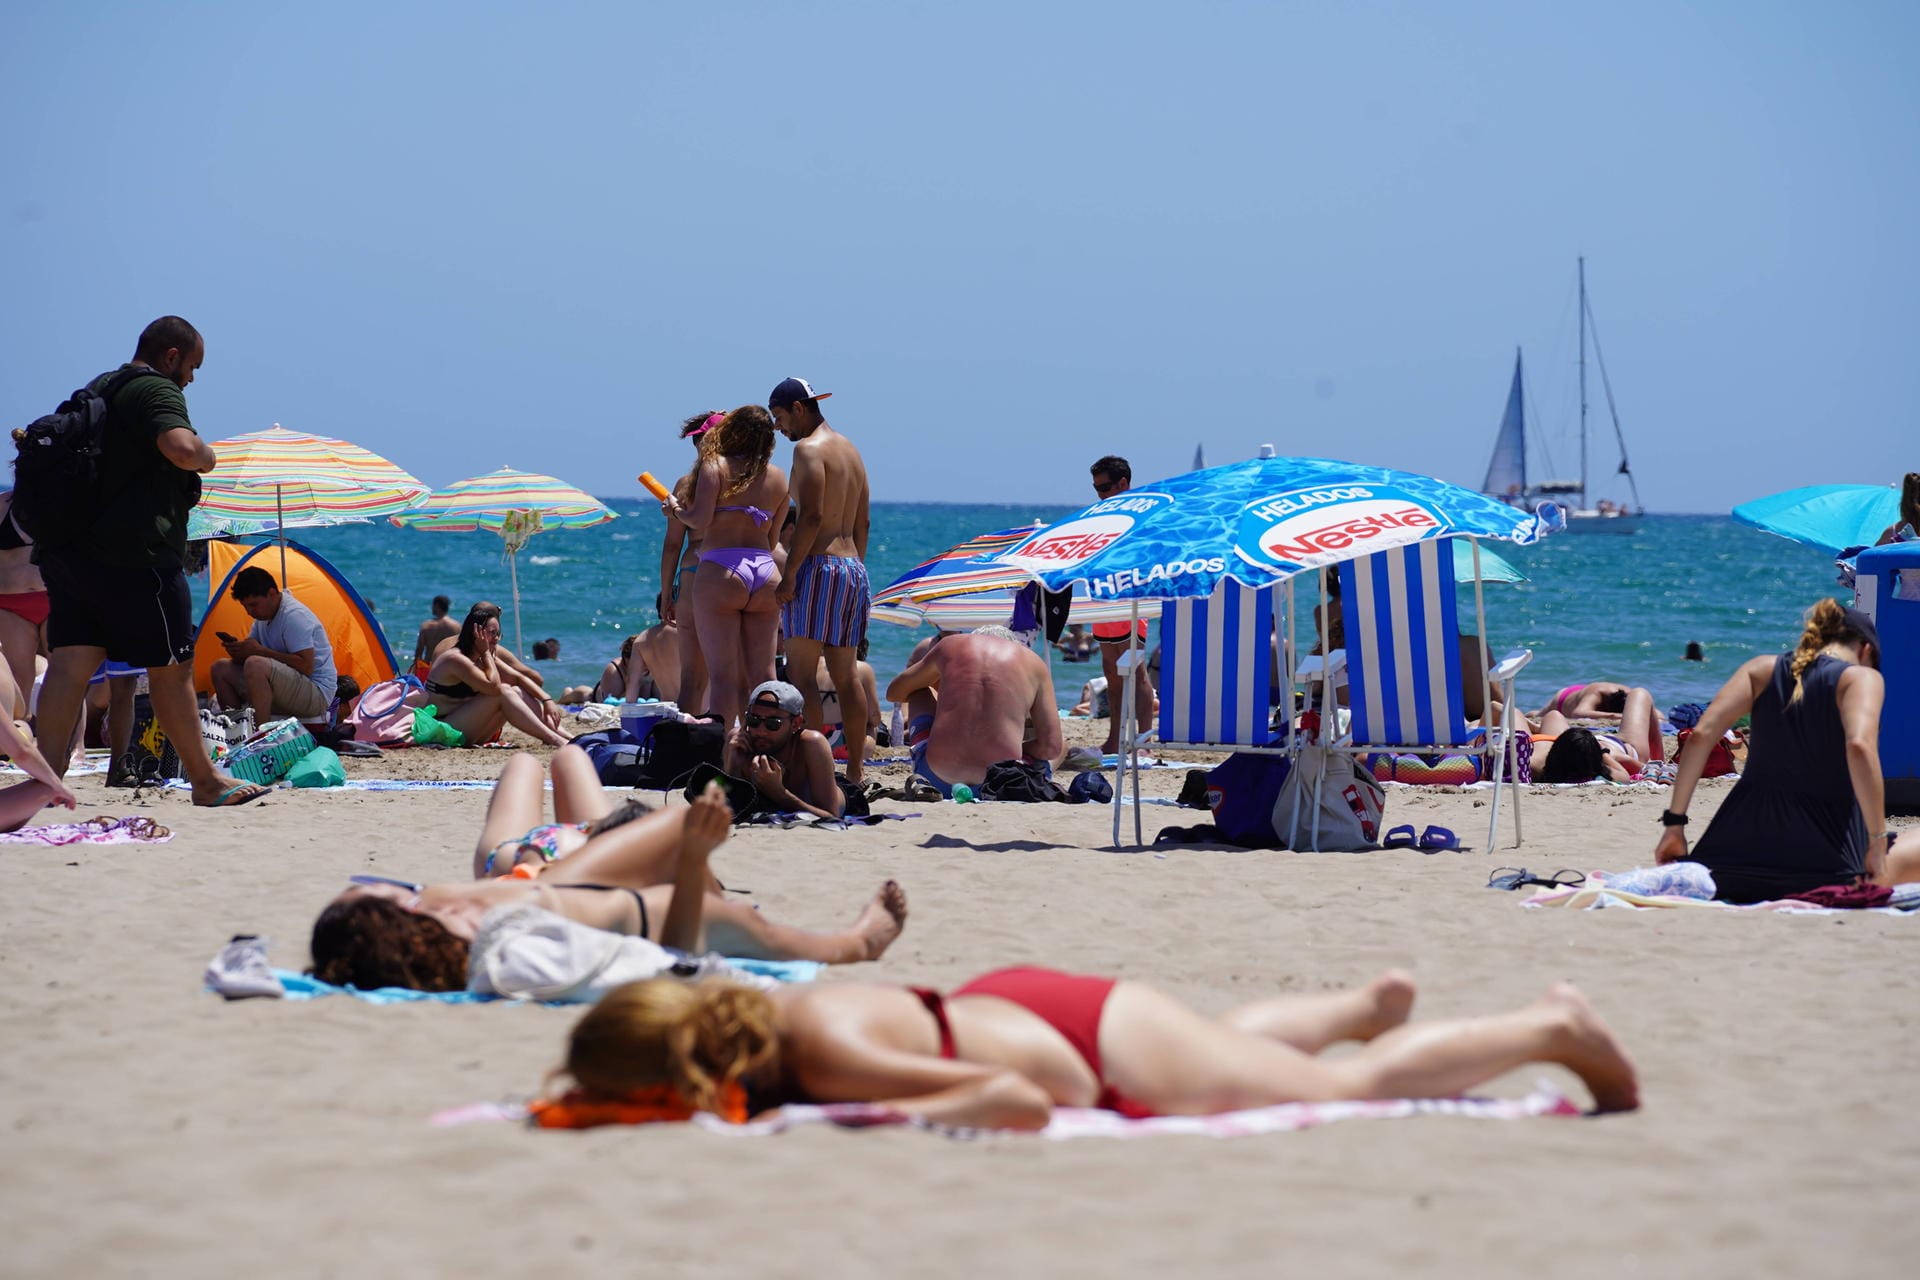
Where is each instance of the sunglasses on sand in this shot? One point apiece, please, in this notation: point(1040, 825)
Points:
point(1514, 877)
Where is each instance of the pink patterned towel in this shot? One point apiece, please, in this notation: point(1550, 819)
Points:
point(101, 830)
point(1078, 1122)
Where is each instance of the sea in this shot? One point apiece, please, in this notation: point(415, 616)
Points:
point(1593, 606)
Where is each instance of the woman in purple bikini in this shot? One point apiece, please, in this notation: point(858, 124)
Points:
point(737, 492)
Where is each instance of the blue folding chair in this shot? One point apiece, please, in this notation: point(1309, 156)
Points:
point(1404, 674)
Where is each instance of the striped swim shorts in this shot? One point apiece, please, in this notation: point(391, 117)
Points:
point(830, 602)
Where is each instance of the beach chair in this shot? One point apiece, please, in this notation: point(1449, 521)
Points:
point(1404, 672)
point(1215, 685)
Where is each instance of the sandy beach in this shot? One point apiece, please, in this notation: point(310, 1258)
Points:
point(154, 1129)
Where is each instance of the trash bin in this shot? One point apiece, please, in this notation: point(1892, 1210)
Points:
point(1887, 581)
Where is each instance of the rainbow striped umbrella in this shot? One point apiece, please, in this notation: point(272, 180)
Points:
point(280, 479)
point(955, 589)
point(514, 504)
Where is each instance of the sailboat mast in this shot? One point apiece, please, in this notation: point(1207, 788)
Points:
point(1583, 382)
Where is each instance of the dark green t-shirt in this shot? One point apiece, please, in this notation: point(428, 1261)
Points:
point(144, 498)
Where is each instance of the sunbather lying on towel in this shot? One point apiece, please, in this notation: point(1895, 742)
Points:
point(647, 876)
point(1565, 753)
point(1003, 1050)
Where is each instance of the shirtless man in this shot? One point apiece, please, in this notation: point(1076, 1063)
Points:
point(435, 629)
point(824, 594)
point(973, 701)
point(788, 763)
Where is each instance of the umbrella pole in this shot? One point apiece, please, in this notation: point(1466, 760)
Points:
point(280, 527)
point(513, 572)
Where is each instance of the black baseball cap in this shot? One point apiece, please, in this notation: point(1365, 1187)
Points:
point(792, 391)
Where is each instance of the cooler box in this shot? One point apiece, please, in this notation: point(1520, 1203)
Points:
point(1887, 580)
point(638, 718)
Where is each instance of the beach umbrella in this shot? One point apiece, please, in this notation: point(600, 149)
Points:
point(1831, 517)
point(964, 587)
point(1258, 523)
point(280, 479)
point(514, 504)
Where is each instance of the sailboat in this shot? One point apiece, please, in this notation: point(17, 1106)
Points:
point(1506, 477)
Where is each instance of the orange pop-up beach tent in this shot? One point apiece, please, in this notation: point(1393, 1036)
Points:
point(360, 647)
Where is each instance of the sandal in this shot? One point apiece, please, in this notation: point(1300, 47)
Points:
point(1514, 877)
point(1401, 837)
point(1434, 839)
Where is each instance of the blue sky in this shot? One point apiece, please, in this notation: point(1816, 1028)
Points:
point(1010, 237)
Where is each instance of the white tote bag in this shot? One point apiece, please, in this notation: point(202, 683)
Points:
point(1351, 803)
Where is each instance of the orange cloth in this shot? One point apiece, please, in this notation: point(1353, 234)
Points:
point(660, 1103)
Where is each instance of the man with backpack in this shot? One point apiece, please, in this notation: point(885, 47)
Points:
point(111, 544)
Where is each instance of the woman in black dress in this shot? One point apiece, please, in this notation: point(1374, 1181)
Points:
point(1810, 810)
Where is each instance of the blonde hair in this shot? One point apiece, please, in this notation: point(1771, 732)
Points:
point(696, 1038)
point(745, 433)
point(1826, 624)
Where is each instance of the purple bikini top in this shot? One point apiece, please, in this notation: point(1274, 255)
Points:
point(759, 517)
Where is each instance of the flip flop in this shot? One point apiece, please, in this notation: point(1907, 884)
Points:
point(236, 795)
point(1434, 839)
point(1401, 838)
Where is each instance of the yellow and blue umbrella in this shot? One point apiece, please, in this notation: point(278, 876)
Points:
point(514, 504)
point(280, 479)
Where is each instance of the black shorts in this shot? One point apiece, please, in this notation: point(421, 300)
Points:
point(142, 617)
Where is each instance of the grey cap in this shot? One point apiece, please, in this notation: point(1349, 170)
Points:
point(783, 693)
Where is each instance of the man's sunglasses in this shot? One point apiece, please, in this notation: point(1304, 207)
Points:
point(1104, 489)
point(778, 721)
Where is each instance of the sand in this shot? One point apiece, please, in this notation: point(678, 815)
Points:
point(154, 1130)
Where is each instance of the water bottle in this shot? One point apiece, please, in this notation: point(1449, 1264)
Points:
point(962, 793)
point(895, 727)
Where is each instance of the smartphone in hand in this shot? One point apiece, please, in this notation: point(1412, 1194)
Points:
point(226, 638)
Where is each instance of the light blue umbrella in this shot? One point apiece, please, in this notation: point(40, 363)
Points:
point(1831, 517)
point(1259, 522)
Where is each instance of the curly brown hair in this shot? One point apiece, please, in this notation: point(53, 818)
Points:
point(745, 435)
point(370, 942)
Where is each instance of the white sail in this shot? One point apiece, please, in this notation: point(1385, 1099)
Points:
point(1507, 469)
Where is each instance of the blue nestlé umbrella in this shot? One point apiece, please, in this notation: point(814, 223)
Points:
point(1257, 522)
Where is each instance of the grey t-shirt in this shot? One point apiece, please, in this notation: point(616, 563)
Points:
point(295, 628)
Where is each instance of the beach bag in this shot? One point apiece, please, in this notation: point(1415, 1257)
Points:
point(56, 466)
point(675, 748)
point(1719, 761)
point(1352, 803)
point(382, 715)
point(618, 759)
point(854, 798)
point(429, 730)
point(1022, 780)
point(1242, 792)
point(742, 796)
point(269, 754)
point(318, 768)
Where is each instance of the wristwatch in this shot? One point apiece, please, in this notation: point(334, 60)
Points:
point(1668, 818)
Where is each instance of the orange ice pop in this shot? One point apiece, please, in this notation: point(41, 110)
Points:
point(654, 487)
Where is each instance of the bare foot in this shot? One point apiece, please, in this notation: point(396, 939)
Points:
point(1588, 1049)
point(882, 919)
point(1389, 999)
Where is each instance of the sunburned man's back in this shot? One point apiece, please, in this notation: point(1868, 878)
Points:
point(977, 700)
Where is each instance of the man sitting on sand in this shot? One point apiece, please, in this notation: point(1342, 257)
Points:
point(790, 765)
point(284, 666)
point(973, 701)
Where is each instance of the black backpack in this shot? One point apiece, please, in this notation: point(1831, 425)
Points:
point(56, 467)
